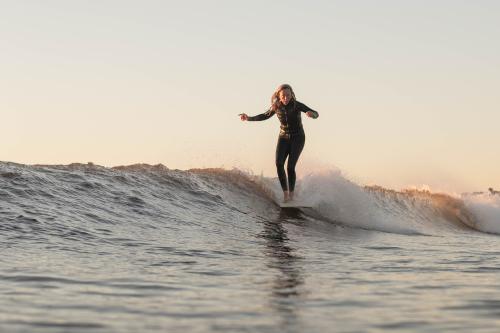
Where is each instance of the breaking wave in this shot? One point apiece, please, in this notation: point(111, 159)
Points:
point(84, 201)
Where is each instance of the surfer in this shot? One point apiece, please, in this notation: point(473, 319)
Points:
point(291, 138)
point(493, 192)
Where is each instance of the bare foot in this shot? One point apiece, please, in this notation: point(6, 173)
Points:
point(290, 196)
point(286, 196)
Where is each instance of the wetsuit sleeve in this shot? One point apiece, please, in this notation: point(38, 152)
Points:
point(263, 116)
point(304, 108)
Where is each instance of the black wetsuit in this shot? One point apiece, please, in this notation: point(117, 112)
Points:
point(290, 141)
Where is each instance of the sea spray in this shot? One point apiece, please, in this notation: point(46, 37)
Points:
point(374, 207)
point(486, 211)
point(339, 199)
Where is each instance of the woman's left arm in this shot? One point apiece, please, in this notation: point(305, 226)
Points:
point(307, 110)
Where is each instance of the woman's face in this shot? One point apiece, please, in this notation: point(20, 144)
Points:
point(285, 96)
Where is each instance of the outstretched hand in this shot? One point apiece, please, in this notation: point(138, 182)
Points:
point(243, 116)
point(311, 114)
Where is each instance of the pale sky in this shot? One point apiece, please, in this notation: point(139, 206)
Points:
point(407, 91)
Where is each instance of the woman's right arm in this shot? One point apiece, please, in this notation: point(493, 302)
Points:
point(263, 116)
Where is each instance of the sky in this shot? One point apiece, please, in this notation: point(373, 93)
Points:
point(407, 91)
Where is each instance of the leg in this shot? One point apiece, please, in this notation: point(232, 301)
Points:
point(282, 151)
point(296, 146)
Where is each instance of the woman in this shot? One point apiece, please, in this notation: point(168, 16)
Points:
point(291, 138)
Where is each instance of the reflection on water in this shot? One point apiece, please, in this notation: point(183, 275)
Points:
point(286, 289)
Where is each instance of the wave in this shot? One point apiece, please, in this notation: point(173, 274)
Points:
point(486, 211)
point(84, 200)
point(378, 208)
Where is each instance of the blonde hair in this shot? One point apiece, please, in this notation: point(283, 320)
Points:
point(275, 99)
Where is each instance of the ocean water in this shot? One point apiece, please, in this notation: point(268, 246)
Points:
point(147, 249)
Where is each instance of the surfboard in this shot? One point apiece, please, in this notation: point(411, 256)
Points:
point(296, 205)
